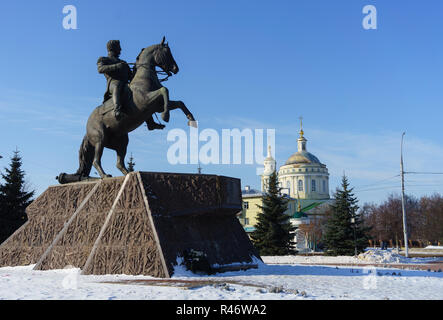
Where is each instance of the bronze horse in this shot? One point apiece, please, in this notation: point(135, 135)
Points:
point(141, 99)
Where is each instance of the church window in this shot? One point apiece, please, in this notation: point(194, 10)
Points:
point(300, 185)
point(313, 186)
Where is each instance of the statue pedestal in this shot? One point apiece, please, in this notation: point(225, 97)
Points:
point(138, 224)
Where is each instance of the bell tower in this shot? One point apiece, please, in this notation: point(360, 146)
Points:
point(270, 166)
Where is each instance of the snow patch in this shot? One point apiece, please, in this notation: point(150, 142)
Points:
point(371, 256)
point(382, 256)
point(180, 269)
point(387, 257)
point(310, 259)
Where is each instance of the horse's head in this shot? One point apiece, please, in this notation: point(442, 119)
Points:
point(158, 55)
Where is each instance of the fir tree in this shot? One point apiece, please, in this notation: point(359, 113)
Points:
point(273, 233)
point(14, 198)
point(131, 164)
point(342, 234)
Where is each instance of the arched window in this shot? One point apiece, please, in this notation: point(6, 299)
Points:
point(314, 188)
point(300, 185)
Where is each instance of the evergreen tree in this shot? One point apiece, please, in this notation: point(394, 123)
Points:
point(131, 164)
point(273, 233)
point(342, 235)
point(13, 198)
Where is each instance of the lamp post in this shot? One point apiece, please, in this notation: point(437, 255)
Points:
point(405, 231)
point(355, 238)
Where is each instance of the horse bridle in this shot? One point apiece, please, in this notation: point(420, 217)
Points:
point(161, 72)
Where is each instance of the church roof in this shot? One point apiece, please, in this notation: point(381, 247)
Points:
point(302, 157)
point(299, 215)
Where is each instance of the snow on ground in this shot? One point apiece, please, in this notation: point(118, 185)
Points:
point(268, 281)
point(309, 259)
point(389, 257)
point(435, 247)
point(370, 256)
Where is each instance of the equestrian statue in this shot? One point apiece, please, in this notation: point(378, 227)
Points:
point(131, 99)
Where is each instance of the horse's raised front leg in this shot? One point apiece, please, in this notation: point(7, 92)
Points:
point(164, 93)
point(165, 113)
point(180, 105)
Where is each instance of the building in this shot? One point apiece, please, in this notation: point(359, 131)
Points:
point(305, 180)
point(251, 200)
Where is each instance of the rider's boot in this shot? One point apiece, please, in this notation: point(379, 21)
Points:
point(152, 125)
point(116, 99)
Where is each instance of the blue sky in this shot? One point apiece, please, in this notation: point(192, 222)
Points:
point(243, 64)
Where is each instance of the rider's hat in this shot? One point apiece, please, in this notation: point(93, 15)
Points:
point(113, 44)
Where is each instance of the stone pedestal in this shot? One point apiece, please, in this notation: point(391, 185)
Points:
point(138, 224)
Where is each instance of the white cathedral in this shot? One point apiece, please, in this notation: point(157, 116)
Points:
point(305, 180)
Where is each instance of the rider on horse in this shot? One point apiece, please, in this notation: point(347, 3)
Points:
point(118, 74)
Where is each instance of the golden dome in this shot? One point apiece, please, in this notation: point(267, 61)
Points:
point(302, 157)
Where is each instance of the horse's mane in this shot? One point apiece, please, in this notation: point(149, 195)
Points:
point(150, 49)
point(161, 55)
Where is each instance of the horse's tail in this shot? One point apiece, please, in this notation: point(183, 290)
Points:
point(85, 158)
